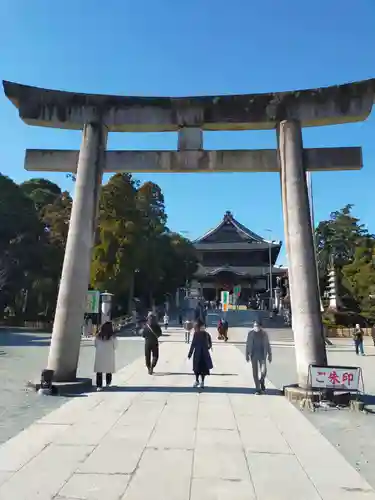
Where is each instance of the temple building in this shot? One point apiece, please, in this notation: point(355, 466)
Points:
point(232, 255)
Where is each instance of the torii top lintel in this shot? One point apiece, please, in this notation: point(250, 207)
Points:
point(349, 102)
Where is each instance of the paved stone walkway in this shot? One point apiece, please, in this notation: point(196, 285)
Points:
point(22, 356)
point(157, 437)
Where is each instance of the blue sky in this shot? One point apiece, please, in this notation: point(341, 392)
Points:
point(193, 47)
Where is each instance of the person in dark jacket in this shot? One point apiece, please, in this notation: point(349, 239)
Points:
point(220, 330)
point(200, 351)
point(151, 333)
point(225, 329)
point(258, 349)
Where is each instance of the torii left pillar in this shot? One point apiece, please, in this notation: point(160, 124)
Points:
point(66, 336)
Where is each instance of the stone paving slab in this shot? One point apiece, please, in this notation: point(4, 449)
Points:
point(349, 432)
point(22, 356)
point(157, 437)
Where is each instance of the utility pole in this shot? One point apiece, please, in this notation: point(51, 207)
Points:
point(311, 202)
point(270, 271)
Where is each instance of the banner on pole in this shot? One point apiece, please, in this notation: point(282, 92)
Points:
point(92, 302)
point(225, 300)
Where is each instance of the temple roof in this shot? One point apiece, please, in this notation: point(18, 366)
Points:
point(225, 269)
point(234, 235)
point(240, 271)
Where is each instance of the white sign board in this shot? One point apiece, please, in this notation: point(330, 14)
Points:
point(340, 378)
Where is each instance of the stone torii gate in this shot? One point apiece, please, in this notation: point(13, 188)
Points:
point(96, 115)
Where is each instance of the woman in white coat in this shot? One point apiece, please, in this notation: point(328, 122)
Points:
point(105, 347)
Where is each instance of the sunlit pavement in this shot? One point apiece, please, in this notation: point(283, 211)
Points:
point(157, 437)
point(22, 356)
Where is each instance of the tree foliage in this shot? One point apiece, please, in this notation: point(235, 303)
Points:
point(359, 280)
point(135, 253)
point(337, 238)
point(20, 235)
point(344, 243)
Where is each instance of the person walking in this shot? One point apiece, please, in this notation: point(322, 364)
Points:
point(222, 329)
point(258, 349)
point(105, 347)
point(166, 321)
point(358, 340)
point(151, 333)
point(220, 333)
point(188, 328)
point(200, 351)
point(373, 333)
point(225, 329)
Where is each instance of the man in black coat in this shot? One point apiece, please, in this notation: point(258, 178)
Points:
point(151, 333)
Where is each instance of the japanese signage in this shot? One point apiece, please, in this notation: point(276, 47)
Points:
point(92, 302)
point(224, 301)
point(237, 290)
point(340, 378)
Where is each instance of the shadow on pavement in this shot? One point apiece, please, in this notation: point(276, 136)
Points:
point(368, 399)
point(163, 374)
point(68, 396)
point(13, 338)
point(348, 350)
point(188, 390)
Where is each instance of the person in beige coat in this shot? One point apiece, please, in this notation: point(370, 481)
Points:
point(105, 348)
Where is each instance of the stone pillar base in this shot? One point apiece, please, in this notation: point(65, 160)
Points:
point(307, 398)
point(78, 386)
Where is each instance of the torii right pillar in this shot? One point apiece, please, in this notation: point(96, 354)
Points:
point(303, 278)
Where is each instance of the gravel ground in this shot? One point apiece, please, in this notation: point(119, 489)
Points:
point(22, 356)
point(350, 432)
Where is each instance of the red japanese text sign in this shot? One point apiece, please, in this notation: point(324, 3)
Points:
point(341, 378)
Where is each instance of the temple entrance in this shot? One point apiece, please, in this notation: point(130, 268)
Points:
point(97, 115)
point(232, 256)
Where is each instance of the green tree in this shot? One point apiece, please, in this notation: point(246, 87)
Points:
point(42, 191)
point(115, 252)
point(359, 280)
point(54, 208)
point(336, 239)
point(344, 242)
point(56, 217)
point(20, 238)
point(180, 262)
point(151, 238)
